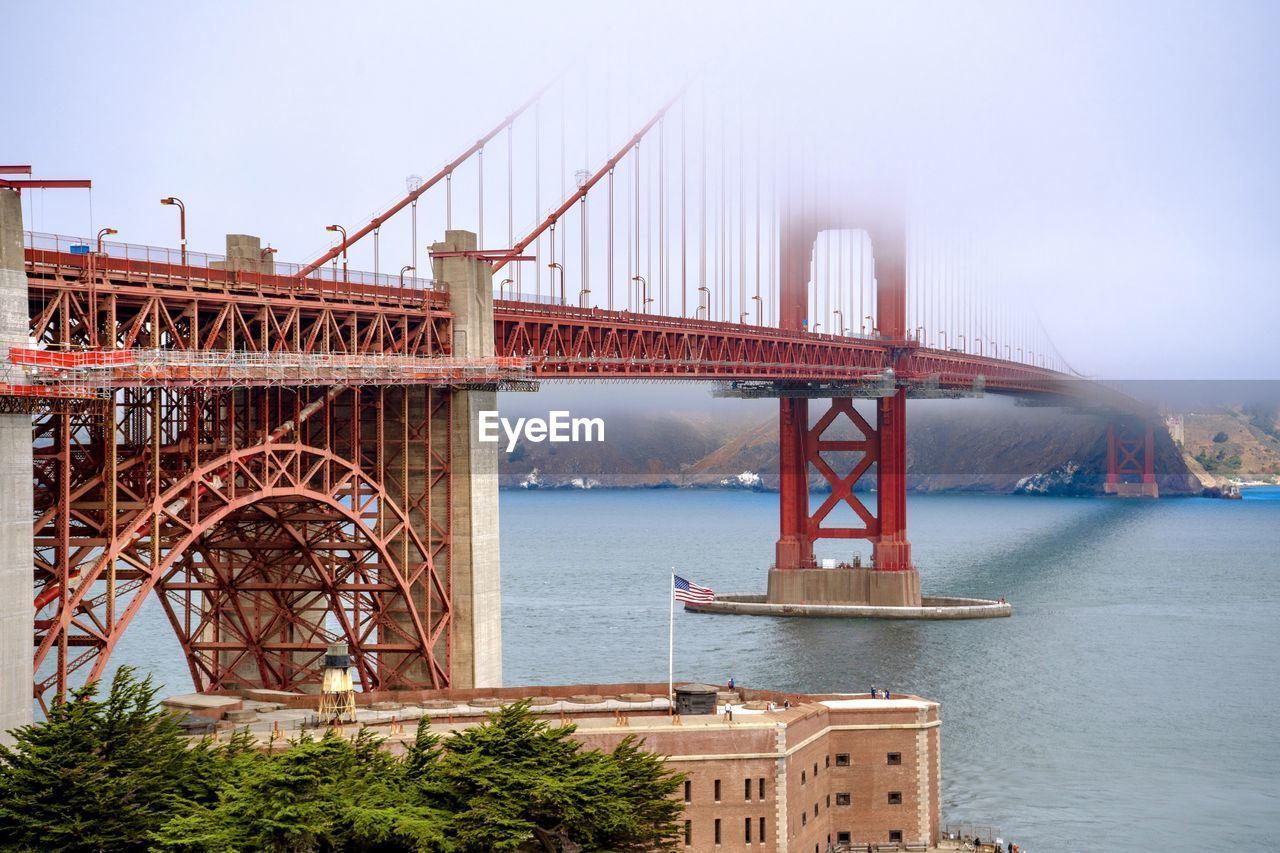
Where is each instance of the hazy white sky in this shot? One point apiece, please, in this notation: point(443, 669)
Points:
point(1125, 152)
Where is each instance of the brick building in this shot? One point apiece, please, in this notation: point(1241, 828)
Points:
point(828, 769)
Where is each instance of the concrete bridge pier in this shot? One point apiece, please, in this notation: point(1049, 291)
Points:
point(474, 563)
point(16, 538)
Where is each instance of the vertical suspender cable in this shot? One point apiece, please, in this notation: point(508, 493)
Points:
point(609, 261)
point(662, 217)
point(537, 192)
point(684, 222)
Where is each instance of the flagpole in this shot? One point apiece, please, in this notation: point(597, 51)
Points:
point(671, 643)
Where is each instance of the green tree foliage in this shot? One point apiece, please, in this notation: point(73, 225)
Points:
point(116, 774)
point(99, 774)
point(518, 777)
point(1220, 438)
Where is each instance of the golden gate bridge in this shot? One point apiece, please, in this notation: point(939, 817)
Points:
point(284, 454)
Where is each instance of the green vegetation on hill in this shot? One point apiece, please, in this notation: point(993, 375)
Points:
point(116, 774)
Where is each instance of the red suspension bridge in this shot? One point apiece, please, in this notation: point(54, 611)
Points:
point(286, 455)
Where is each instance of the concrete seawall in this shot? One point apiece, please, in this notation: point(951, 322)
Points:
point(932, 607)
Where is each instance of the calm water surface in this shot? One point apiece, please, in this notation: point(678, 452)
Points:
point(1131, 701)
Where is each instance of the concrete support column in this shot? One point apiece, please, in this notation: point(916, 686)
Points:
point(474, 560)
point(16, 545)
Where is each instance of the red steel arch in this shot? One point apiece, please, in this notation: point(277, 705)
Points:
point(394, 608)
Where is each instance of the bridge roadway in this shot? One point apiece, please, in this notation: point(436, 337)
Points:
point(158, 303)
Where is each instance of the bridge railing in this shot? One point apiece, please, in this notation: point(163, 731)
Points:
point(326, 278)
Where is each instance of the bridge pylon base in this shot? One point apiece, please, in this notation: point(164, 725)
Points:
point(846, 585)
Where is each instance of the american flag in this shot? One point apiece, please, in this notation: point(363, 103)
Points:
point(685, 591)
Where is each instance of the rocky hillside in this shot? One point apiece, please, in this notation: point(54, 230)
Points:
point(1233, 443)
point(987, 446)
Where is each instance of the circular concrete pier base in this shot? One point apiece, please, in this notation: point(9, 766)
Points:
point(932, 607)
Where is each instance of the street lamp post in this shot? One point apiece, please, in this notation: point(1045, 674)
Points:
point(343, 232)
point(182, 222)
point(502, 288)
point(644, 293)
point(759, 307)
point(874, 330)
point(555, 265)
point(105, 232)
point(404, 269)
point(707, 290)
point(839, 313)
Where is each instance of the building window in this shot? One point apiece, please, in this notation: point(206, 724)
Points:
point(815, 770)
point(842, 759)
point(843, 838)
point(746, 829)
point(804, 818)
point(842, 799)
point(688, 791)
point(895, 798)
point(717, 790)
point(802, 777)
point(761, 830)
point(895, 758)
point(828, 801)
point(827, 761)
point(688, 833)
point(895, 836)
point(718, 831)
point(762, 787)
point(746, 789)
point(815, 809)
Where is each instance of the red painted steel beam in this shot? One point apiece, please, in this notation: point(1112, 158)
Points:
point(411, 196)
point(15, 170)
point(45, 184)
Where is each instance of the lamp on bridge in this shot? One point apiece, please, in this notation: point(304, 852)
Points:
point(558, 266)
point(337, 693)
point(874, 330)
point(105, 232)
point(182, 222)
point(342, 231)
point(502, 287)
point(707, 290)
point(644, 292)
point(404, 269)
point(759, 307)
point(839, 314)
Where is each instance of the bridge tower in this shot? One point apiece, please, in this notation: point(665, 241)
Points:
point(891, 579)
point(1131, 459)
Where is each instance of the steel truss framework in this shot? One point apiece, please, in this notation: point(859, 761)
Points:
point(269, 520)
